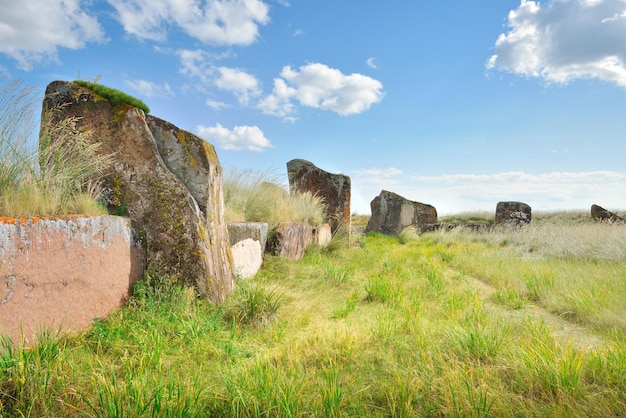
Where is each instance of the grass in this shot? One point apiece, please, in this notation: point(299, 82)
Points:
point(259, 197)
point(60, 176)
point(114, 96)
point(379, 329)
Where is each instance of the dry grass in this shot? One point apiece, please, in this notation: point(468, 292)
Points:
point(259, 197)
point(61, 176)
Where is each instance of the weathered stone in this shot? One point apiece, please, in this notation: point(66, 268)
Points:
point(598, 213)
point(181, 239)
point(61, 273)
point(512, 214)
point(322, 235)
point(334, 189)
point(247, 258)
point(391, 213)
point(239, 231)
point(290, 239)
point(248, 241)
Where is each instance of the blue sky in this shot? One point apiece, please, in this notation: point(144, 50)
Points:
point(453, 103)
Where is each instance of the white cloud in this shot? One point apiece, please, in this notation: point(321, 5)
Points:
point(319, 86)
point(249, 138)
point(241, 84)
point(563, 40)
point(150, 89)
point(215, 104)
point(370, 62)
point(378, 173)
point(32, 31)
point(219, 22)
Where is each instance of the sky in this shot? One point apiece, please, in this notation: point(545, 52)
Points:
point(458, 104)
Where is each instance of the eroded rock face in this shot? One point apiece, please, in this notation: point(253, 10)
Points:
point(248, 241)
point(166, 180)
point(598, 213)
point(290, 239)
point(391, 213)
point(59, 273)
point(512, 214)
point(335, 189)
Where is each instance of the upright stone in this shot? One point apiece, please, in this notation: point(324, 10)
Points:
point(391, 213)
point(168, 181)
point(512, 214)
point(290, 239)
point(334, 189)
point(598, 213)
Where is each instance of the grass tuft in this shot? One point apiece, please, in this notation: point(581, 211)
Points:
point(114, 96)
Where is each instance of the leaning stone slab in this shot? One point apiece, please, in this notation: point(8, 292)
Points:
point(162, 193)
point(60, 273)
point(598, 213)
point(290, 239)
point(512, 214)
point(334, 189)
point(391, 213)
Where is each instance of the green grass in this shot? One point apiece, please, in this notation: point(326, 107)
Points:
point(376, 329)
point(114, 96)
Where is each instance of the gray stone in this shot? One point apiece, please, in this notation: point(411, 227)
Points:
point(512, 214)
point(391, 213)
point(598, 213)
point(163, 194)
point(334, 189)
point(239, 231)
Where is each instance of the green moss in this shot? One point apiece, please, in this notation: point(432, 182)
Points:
point(114, 96)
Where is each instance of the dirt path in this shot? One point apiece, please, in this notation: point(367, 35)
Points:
point(565, 331)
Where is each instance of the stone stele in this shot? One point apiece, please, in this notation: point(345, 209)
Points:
point(168, 181)
point(391, 213)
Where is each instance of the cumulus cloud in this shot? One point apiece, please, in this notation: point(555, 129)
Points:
point(241, 84)
point(563, 40)
point(150, 89)
point(31, 32)
point(321, 87)
point(219, 22)
point(249, 138)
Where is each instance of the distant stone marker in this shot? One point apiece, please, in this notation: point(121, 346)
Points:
point(335, 189)
point(168, 181)
point(512, 214)
point(598, 213)
point(391, 213)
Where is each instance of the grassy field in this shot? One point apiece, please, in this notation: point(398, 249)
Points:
point(501, 323)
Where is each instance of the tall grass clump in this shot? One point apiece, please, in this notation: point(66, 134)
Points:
point(114, 96)
point(259, 197)
point(61, 176)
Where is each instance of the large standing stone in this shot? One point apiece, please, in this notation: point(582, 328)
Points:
point(598, 213)
point(512, 214)
point(164, 192)
point(335, 189)
point(391, 213)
